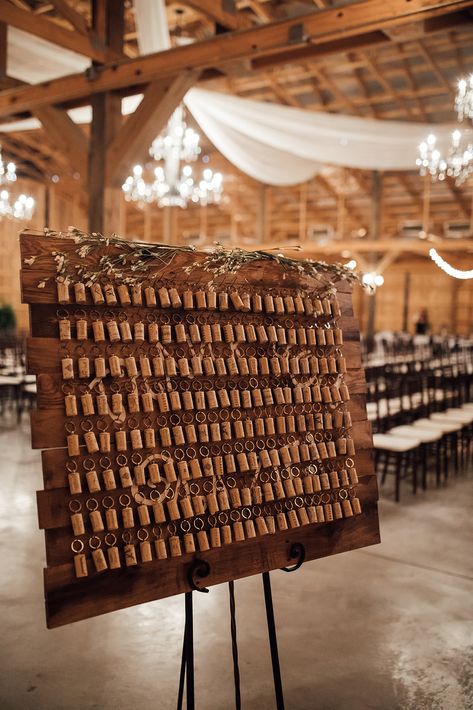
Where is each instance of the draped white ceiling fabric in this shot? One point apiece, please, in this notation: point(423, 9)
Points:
point(277, 145)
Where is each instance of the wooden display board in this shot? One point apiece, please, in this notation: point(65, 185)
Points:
point(190, 416)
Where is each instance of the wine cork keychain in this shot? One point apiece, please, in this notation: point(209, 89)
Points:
point(80, 560)
point(113, 554)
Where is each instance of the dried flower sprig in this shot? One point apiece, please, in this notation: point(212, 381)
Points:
point(134, 261)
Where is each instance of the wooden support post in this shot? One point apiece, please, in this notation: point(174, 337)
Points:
point(303, 214)
point(375, 235)
point(104, 200)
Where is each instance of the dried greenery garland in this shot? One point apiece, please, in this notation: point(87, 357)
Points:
point(137, 261)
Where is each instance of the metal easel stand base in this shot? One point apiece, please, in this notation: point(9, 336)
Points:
point(200, 570)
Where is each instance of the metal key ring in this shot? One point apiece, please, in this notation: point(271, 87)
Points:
point(77, 546)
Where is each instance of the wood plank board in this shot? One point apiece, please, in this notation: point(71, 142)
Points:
point(308, 458)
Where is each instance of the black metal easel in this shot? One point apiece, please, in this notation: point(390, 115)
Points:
point(199, 570)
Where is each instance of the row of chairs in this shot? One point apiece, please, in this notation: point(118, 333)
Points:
point(422, 418)
point(17, 389)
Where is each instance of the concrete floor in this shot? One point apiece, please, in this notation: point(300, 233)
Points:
point(386, 627)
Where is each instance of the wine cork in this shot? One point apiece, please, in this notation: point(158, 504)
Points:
point(120, 440)
point(80, 566)
point(170, 471)
point(216, 332)
point(91, 442)
point(290, 424)
point(139, 475)
point(128, 518)
point(337, 511)
point(145, 366)
point(328, 513)
point(324, 481)
point(80, 293)
point(136, 295)
point(235, 497)
point(228, 333)
point(223, 398)
point(113, 332)
point(123, 295)
point(344, 393)
point(143, 515)
point(145, 551)
point(159, 513)
point(130, 555)
point(341, 446)
point(293, 519)
point(97, 294)
point(356, 505)
point(246, 400)
point(195, 469)
point(271, 333)
point(215, 434)
point(215, 539)
point(298, 486)
point(109, 479)
point(308, 484)
point(249, 429)
point(281, 336)
point(67, 365)
point(150, 296)
point(175, 546)
point(160, 549)
point(189, 543)
point(230, 464)
point(139, 332)
point(125, 477)
point(77, 522)
point(312, 514)
point(98, 331)
point(117, 403)
point(268, 493)
point(235, 398)
point(334, 481)
point(64, 329)
point(198, 504)
point(253, 365)
point(93, 482)
point(164, 298)
point(75, 485)
point(279, 490)
point(223, 502)
point(208, 364)
point(350, 447)
point(81, 329)
point(186, 507)
point(113, 557)
point(242, 461)
point(178, 435)
point(353, 476)
point(150, 438)
point(226, 534)
point(236, 301)
point(250, 531)
point(170, 366)
point(317, 485)
point(70, 403)
point(96, 521)
point(115, 366)
point(301, 336)
point(111, 519)
point(83, 366)
point(303, 517)
point(238, 533)
point(320, 513)
point(203, 541)
point(331, 449)
point(165, 436)
point(125, 331)
point(347, 509)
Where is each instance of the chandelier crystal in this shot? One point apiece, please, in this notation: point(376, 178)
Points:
point(464, 98)
point(174, 183)
point(23, 207)
point(458, 163)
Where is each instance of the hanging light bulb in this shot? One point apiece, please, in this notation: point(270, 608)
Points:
point(464, 98)
point(448, 268)
point(23, 207)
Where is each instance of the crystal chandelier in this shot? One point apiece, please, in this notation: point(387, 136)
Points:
point(23, 206)
point(173, 183)
point(464, 98)
point(458, 163)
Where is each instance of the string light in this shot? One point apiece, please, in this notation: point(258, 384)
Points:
point(373, 279)
point(448, 268)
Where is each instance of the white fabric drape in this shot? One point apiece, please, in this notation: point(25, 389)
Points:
point(281, 145)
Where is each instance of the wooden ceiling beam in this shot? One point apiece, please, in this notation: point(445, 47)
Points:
point(224, 13)
point(318, 28)
point(71, 15)
point(67, 136)
point(52, 32)
point(134, 138)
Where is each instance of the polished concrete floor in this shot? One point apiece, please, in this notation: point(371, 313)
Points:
point(385, 627)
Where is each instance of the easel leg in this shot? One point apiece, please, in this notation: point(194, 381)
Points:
point(273, 641)
point(187, 661)
point(236, 670)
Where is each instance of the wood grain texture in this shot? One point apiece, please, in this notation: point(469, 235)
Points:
point(70, 599)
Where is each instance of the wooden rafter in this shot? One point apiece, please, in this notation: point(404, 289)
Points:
point(132, 141)
point(71, 15)
point(53, 32)
point(225, 14)
point(319, 28)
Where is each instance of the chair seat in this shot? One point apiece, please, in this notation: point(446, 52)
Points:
point(446, 427)
point(445, 417)
point(460, 414)
point(426, 436)
point(388, 442)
